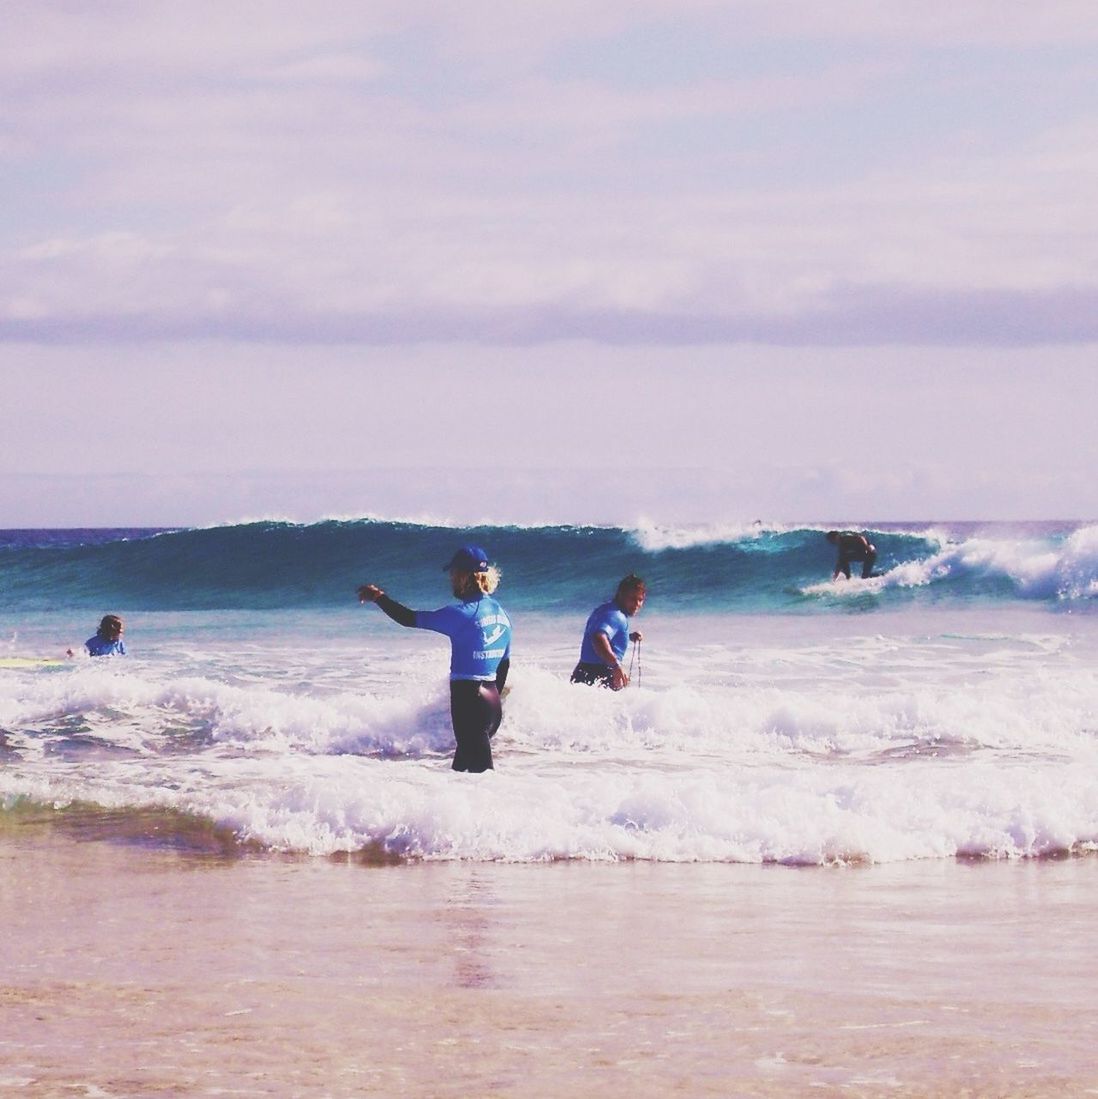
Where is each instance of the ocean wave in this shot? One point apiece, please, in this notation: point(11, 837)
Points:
point(327, 806)
point(333, 705)
point(654, 537)
point(1032, 569)
point(718, 567)
point(982, 747)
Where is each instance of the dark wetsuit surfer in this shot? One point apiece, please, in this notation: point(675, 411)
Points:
point(480, 652)
point(852, 547)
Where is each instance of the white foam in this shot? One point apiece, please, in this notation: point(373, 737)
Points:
point(821, 748)
point(325, 804)
point(1037, 569)
point(653, 536)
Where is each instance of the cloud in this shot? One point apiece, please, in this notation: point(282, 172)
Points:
point(400, 175)
point(841, 315)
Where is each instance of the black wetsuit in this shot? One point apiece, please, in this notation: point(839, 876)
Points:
point(853, 547)
point(592, 675)
point(475, 708)
point(476, 712)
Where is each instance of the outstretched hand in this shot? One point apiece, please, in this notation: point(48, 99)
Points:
point(369, 593)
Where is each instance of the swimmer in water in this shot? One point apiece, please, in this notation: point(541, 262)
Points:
point(480, 651)
point(108, 638)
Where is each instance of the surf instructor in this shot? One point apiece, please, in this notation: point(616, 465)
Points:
point(606, 637)
point(480, 650)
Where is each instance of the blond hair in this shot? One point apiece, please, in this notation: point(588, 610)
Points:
point(486, 582)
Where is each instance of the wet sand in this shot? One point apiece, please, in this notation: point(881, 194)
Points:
point(126, 971)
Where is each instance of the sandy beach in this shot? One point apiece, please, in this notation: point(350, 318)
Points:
point(130, 971)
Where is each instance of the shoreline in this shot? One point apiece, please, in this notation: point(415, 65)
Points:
point(142, 971)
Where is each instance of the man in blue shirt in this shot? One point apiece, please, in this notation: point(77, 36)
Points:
point(606, 637)
point(480, 650)
point(108, 638)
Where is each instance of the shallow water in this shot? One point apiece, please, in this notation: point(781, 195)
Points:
point(844, 847)
point(154, 972)
point(932, 732)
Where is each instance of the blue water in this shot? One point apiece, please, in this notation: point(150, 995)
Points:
point(945, 708)
point(282, 565)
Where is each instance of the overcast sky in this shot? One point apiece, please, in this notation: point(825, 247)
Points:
point(692, 261)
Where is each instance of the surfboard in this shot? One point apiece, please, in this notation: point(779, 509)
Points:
point(30, 662)
point(855, 586)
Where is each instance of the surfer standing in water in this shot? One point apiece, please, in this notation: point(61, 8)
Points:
point(606, 637)
point(852, 547)
point(480, 650)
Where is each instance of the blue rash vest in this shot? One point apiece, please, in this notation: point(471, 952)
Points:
point(100, 646)
point(610, 620)
point(479, 632)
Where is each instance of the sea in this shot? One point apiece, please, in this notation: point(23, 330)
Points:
point(946, 708)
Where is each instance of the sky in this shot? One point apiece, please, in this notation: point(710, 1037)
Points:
point(681, 261)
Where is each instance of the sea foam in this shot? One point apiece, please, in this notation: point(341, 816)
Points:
point(867, 746)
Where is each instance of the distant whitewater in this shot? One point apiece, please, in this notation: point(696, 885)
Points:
point(947, 708)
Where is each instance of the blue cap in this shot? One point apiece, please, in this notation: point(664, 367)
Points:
point(468, 559)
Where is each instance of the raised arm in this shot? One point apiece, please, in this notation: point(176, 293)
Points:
point(371, 593)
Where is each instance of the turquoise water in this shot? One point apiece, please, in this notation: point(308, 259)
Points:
point(281, 565)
